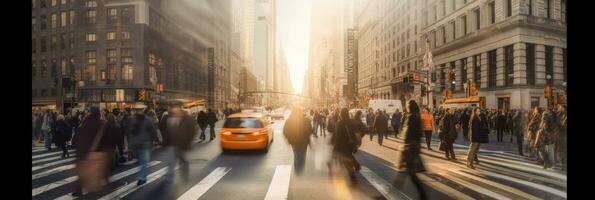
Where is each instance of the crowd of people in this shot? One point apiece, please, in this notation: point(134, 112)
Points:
point(105, 139)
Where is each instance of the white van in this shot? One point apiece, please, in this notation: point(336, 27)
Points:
point(388, 105)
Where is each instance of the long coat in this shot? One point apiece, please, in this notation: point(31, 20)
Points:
point(479, 131)
point(86, 133)
point(380, 124)
point(180, 136)
point(297, 131)
point(140, 131)
point(409, 159)
point(63, 132)
point(448, 131)
point(344, 132)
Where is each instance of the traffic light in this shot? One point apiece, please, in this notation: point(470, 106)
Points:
point(473, 89)
point(141, 95)
point(547, 91)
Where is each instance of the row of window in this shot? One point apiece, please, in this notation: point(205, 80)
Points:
point(126, 55)
point(508, 68)
point(112, 35)
point(64, 38)
point(66, 18)
point(43, 92)
point(44, 3)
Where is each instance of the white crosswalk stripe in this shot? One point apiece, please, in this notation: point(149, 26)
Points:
point(386, 189)
point(279, 187)
point(52, 171)
point(498, 185)
point(127, 189)
point(205, 184)
point(474, 187)
point(49, 154)
point(50, 158)
point(51, 164)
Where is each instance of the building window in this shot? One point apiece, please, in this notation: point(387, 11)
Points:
point(43, 19)
point(89, 72)
point(492, 8)
point(464, 20)
point(42, 3)
point(91, 4)
point(492, 69)
point(546, 6)
point(563, 11)
point(435, 14)
point(442, 77)
point(534, 102)
point(63, 41)
point(54, 20)
point(549, 65)
point(91, 57)
point(111, 73)
point(43, 44)
point(530, 64)
point(111, 56)
point(508, 8)
point(33, 24)
point(111, 35)
point(126, 55)
point(125, 35)
point(477, 19)
point(54, 42)
point(508, 65)
point(103, 75)
point(33, 45)
point(443, 35)
point(91, 17)
point(33, 68)
point(54, 69)
point(71, 19)
point(127, 72)
point(44, 68)
point(91, 37)
point(54, 2)
point(64, 66)
point(63, 2)
point(453, 25)
point(564, 60)
point(63, 19)
point(32, 4)
point(443, 6)
point(530, 2)
point(71, 39)
point(112, 15)
point(44, 92)
point(126, 16)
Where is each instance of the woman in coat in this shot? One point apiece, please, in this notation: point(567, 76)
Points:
point(479, 134)
point(448, 133)
point(63, 133)
point(410, 161)
point(344, 144)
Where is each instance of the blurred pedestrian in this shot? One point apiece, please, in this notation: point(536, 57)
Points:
point(178, 129)
point(561, 141)
point(201, 120)
point(500, 125)
point(396, 122)
point(532, 128)
point(370, 122)
point(114, 137)
point(544, 140)
point(63, 135)
point(297, 132)
point(464, 121)
point(517, 130)
point(448, 133)
point(409, 160)
point(211, 120)
point(46, 128)
point(345, 144)
point(380, 126)
point(427, 122)
point(479, 134)
point(140, 134)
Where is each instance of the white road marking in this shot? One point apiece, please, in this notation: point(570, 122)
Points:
point(52, 171)
point(527, 183)
point(38, 150)
point(474, 187)
point(51, 164)
point(531, 169)
point(279, 187)
point(50, 158)
point(205, 184)
point(531, 176)
point(455, 194)
point(497, 185)
point(49, 154)
point(127, 189)
point(44, 188)
point(386, 189)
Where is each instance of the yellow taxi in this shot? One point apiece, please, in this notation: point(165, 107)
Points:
point(242, 131)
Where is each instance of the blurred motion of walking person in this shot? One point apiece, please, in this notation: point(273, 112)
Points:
point(396, 121)
point(115, 137)
point(297, 131)
point(62, 135)
point(464, 121)
point(479, 134)
point(370, 122)
point(544, 140)
point(409, 160)
point(380, 126)
point(448, 133)
point(428, 127)
point(46, 128)
point(140, 135)
point(178, 129)
point(201, 120)
point(211, 120)
point(345, 144)
point(500, 125)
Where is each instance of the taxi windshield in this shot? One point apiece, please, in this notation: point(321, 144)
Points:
point(242, 123)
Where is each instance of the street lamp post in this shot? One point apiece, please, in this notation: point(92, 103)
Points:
point(548, 86)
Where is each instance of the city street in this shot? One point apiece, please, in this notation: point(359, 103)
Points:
point(258, 175)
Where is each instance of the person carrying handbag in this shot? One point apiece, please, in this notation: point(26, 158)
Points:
point(344, 145)
point(92, 162)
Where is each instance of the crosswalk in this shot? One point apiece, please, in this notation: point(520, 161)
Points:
point(499, 176)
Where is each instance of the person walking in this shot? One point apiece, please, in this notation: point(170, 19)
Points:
point(479, 134)
point(517, 130)
point(211, 120)
point(396, 122)
point(427, 123)
point(322, 123)
point(561, 141)
point(532, 129)
point(201, 120)
point(38, 127)
point(464, 121)
point(544, 140)
point(448, 133)
point(500, 125)
point(46, 127)
point(344, 144)
point(114, 137)
point(178, 129)
point(409, 160)
point(370, 122)
point(315, 122)
point(140, 135)
point(153, 117)
point(380, 126)
point(297, 133)
point(63, 135)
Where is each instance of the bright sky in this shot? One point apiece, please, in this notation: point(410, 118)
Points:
point(293, 29)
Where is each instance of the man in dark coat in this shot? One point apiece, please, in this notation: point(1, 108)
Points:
point(448, 133)
point(517, 130)
point(464, 121)
point(178, 129)
point(409, 160)
point(344, 144)
point(500, 125)
point(211, 120)
point(140, 136)
point(201, 119)
point(297, 131)
point(63, 134)
point(380, 126)
point(396, 121)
